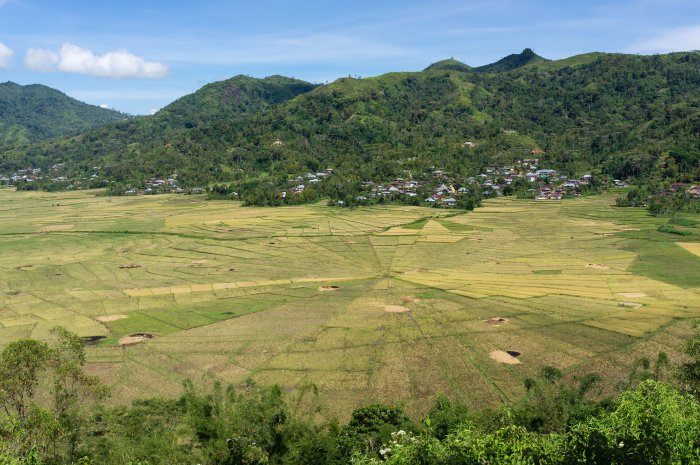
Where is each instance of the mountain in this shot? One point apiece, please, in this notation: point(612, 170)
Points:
point(186, 122)
point(35, 112)
point(233, 98)
point(449, 65)
point(620, 114)
point(511, 62)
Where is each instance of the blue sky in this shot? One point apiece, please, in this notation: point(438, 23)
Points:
point(138, 56)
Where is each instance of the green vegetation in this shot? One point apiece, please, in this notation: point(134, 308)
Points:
point(626, 116)
point(556, 422)
point(449, 65)
point(35, 112)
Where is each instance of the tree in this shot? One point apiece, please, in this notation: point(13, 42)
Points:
point(689, 372)
point(43, 389)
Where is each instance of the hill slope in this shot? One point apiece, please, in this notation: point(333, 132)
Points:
point(125, 147)
point(616, 113)
point(35, 112)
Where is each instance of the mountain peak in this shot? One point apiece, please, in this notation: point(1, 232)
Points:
point(511, 62)
point(448, 65)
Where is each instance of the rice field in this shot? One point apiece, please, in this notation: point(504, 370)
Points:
point(386, 303)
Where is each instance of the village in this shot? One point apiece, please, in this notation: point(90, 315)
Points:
point(442, 189)
point(437, 187)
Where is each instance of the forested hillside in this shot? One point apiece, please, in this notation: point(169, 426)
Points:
point(35, 112)
point(624, 115)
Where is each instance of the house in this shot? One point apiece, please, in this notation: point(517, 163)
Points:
point(449, 202)
point(694, 191)
point(546, 173)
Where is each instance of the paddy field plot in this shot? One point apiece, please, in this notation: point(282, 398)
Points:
point(386, 303)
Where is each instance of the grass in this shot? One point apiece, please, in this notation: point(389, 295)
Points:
point(234, 294)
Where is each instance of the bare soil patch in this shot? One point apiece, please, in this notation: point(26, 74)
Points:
point(328, 288)
point(409, 299)
point(632, 295)
point(136, 338)
point(199, 262)
point(504, 357)
point(597, 267)
point(496, 321)
point(24, 267)
point(108, 318)
point(395, 308)
point(130, 266)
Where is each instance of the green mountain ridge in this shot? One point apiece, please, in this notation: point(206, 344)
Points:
point(36, 112)
point(620, 114)
point(511, 62)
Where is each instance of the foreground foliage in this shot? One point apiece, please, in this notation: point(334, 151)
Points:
point(652, 423)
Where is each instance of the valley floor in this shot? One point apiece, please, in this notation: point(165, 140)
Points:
point(386, 303)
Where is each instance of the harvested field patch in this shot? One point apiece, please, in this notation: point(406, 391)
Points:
point(56, 227)
point(692, 247)
point(108, 318)
point(502, 356)
point(632, 295)
point(597, 267)
point(395, 308)
point(136, 338)
point(199, 262)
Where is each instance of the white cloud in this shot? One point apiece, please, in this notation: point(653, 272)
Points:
point(675, 40)
point(6, 55)
point(41, 60)
point(105, 106)
point(117, 64)
point(153, 111)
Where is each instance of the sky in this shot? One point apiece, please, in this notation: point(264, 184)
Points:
point(138, 56)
